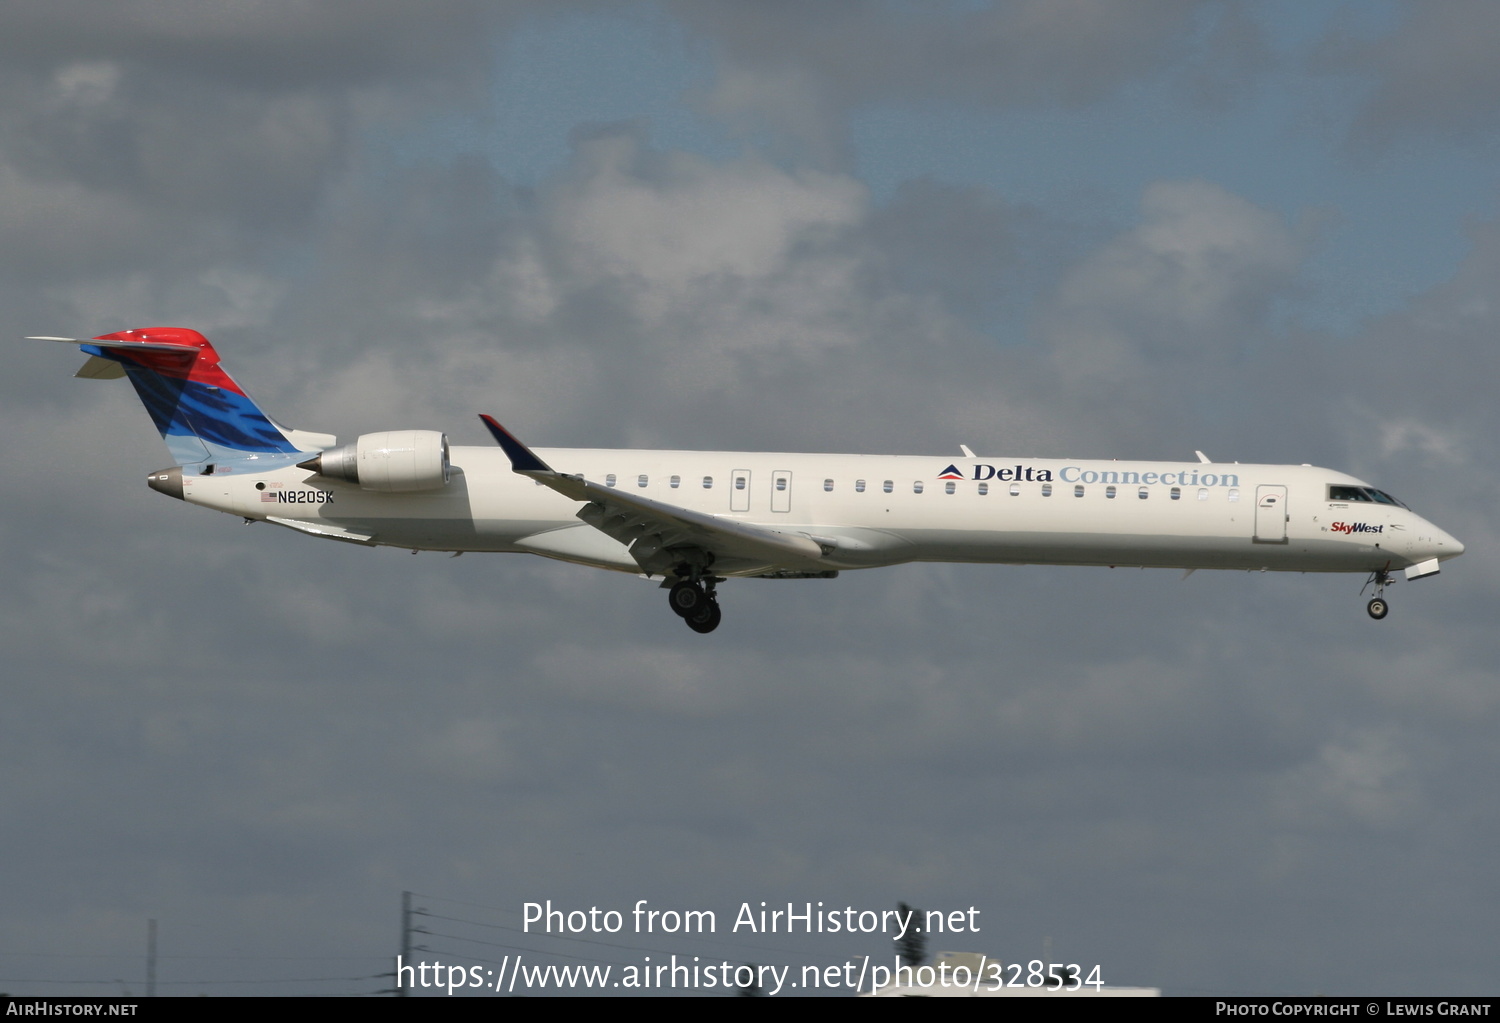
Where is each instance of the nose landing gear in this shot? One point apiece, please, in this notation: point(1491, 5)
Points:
point(1377, 607)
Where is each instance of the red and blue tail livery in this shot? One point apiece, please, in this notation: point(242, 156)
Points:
point(202, 414)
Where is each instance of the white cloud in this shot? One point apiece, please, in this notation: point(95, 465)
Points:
point(1366, 776)
point(680, 220)
point(1194, 278)
point(87, 82)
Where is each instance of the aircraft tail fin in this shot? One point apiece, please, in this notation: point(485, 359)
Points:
point(202, 414)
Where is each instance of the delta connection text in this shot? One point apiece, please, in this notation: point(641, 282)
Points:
point(806, 918)
point(1078, 474)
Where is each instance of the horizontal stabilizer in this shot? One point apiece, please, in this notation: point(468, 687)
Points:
point(150, 346)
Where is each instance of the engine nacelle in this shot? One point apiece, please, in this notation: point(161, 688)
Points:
point(399, 462)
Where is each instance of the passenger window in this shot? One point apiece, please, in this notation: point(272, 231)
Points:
point(780, 482)
point(708, 483)
point(888, 486)
point(1203, 493)
point(1078, 490)
point(1143, 494)
point(950, 486)
point(739, 483)
point(1015, 490)
point(916, 487)
point(1109, 492)
point(642, 480)
point(859, 486)
point(984, 488)
point(609, 480)
point(1177, 493)
point(1046, 490)
point(1234, 493)
point(828, 485)
point(674, 482)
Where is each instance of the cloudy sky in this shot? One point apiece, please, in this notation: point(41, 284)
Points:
point(1042, 228)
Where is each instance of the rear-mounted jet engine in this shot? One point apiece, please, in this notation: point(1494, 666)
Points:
point(399, 462)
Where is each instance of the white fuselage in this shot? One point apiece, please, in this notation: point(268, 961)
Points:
point(872, 510)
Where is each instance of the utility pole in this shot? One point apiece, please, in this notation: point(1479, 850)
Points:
point(405, 940)
point(150, 958)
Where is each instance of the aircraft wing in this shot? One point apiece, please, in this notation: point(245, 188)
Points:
point(653, 529)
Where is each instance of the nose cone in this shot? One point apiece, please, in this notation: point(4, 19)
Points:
point(167, 481)
point(1454, 547)
point(1441, 545)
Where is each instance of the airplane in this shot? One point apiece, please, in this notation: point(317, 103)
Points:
point(695, 519)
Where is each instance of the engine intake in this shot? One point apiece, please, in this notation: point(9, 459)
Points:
point(399, 462)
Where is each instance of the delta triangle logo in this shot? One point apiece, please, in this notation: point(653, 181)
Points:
point(951, 473)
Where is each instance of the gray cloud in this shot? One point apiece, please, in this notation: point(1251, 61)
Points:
point(210, 131)
point(272, 45)
point(1431, 76)
point(840, 56)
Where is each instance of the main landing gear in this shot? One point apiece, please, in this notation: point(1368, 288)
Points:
point(693, 601)
point(1377, 607)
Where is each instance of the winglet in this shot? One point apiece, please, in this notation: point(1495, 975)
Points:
point(521, 457)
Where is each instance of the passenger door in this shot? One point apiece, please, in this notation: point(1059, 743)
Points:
point(1270, 514)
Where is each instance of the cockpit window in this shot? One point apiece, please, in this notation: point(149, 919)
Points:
point(1364, 495)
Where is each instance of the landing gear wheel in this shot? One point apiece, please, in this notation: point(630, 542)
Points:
point(706, 620)
point(687, 598)
point(1380, 579)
